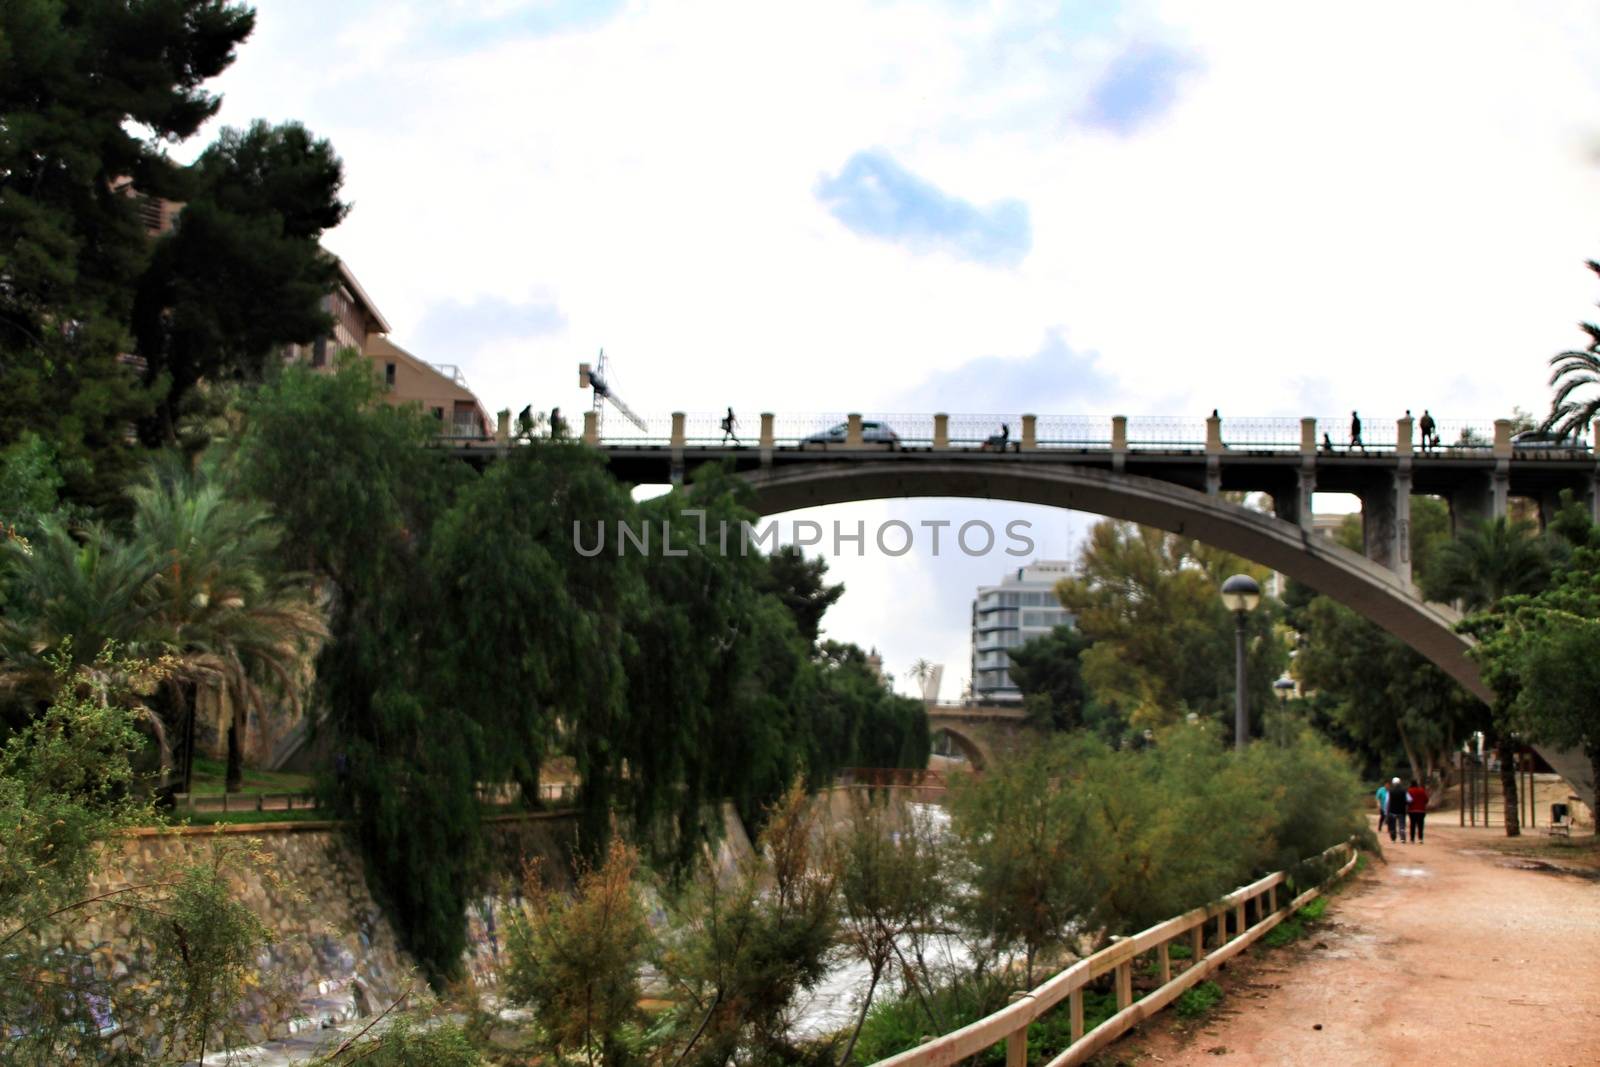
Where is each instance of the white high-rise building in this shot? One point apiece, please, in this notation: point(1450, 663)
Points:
point(1023, 606)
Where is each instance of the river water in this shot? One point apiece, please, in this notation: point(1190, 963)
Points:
point(834, 1003)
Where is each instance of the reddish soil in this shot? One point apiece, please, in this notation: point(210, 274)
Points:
point(1454, 951)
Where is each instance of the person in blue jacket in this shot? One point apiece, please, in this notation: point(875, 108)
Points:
point(1383, 806)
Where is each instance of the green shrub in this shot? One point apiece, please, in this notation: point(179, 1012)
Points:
point(1179, 952)
point(1199, 1000)
point(1314, 910)
point(1289, 930)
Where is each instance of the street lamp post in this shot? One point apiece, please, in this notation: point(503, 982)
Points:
point(1240, 595)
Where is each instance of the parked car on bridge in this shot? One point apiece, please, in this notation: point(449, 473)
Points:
point(872, 433)
point(1547, 439)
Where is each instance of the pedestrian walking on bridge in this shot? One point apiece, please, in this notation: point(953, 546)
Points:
point(1355, 432)
point(728, 423)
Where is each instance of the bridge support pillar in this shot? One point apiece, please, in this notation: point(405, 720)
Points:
point(1301, 513)
point(1119, 442)
point(1487, 497)
point(1292, 503)
point(678, 440)
point(1386, 522)
point(1213, 475)
point(768, 438)
point(1030, 432)
point(941, 431)
point(1589, 496)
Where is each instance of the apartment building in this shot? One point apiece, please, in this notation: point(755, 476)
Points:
point(1021, 607)
point(441, 390)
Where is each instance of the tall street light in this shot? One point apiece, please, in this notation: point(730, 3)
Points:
point(1240, 595)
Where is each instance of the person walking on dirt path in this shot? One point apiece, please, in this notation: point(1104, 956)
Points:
point(1355, 432)
point(1397, 811)
point(1416, 809)
point(1383, 806)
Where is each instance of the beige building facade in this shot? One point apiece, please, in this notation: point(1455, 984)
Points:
point(439, 390)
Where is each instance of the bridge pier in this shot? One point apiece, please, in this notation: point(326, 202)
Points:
point(1213, 454)
point(679, 439)
point(1386, 522)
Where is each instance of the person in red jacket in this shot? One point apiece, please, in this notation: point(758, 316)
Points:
point(1416, 809)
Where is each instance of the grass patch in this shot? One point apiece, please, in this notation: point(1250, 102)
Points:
point(1286, 932)
point(210, 778)
point(1178, 951)
point(1293, 928)
point(213, 818)
point(1199, 1000)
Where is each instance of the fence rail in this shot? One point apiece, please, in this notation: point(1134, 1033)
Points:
point(1010, 1024)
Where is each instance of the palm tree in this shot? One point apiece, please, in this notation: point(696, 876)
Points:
point(1575, 371)
point(68, 599)
point(73, 601)
point(217, 599)
point(1489, 560)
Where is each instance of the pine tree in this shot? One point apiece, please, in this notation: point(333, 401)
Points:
point(77, 78)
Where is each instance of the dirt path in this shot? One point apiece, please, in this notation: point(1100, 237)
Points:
point(1450, 953)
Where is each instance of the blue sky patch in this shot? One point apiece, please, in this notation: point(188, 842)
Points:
point(876, 197)
point(450, 329)
point(1139, 86)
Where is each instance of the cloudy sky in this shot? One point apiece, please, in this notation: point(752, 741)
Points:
point(1085, 208)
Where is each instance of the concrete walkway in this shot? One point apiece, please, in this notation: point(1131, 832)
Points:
point(1449, 953)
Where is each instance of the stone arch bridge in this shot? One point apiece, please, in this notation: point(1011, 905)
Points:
point(984, 733)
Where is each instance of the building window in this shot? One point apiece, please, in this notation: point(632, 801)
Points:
point(438, 413)
point(388, 375)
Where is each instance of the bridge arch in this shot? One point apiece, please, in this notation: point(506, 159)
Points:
point(1355, 581)
point(977, 753)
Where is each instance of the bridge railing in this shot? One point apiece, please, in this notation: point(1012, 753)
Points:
point(1254, 909)
point(1274, 435)
point(1462, 434)
point(1050, 432)
point(1073, 431)
point(1165, 432)
point(618, 430)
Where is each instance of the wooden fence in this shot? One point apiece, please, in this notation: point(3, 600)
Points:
point(1010, 1024)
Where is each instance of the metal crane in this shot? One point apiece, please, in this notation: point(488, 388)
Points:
point(595, 378)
